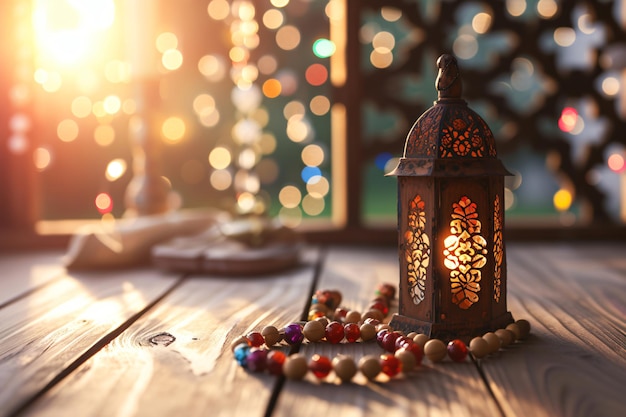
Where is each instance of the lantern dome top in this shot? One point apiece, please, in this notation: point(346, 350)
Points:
point(449, 139)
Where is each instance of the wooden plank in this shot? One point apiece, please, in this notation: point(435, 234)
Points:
point(574, 363)
point(22, 272)
point(446, 389)
point(44, 333)
point(195, 375)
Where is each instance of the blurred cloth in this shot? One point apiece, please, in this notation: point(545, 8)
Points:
point(128, 242)
point(189, 241)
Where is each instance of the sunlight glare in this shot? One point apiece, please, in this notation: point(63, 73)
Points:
point(65, 30)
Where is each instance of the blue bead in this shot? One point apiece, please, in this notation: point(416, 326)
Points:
point(241, 354)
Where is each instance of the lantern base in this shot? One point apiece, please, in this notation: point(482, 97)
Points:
point(448, 331)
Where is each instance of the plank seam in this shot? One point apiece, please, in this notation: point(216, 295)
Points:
point(33, 290)
point(280, 382)
point(95, 348)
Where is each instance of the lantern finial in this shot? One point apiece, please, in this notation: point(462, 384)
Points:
point(448, 81)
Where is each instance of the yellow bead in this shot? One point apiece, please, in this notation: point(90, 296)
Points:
point(368, 331)
point(506, 336)
point(313, 331)
point(421, 339)
point(353, 317)
point(323, 320)
point(295, 367)
point(493, 341)
point(516, 331)
point(344, 367)
point(435, 350)
point(479, 347)
point(524, 327)
point(409, 362)
point(383, 326)
point(373, 314)
point(271, 335)
point(369, 366)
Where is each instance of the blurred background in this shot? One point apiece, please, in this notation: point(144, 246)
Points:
point(297, 108)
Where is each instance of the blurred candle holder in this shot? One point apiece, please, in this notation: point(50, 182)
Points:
point(148, 191)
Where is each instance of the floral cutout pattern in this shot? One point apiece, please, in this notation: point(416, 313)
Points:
point(462, 138)
point(417, 252)
point(464, 253)
point(498, 248)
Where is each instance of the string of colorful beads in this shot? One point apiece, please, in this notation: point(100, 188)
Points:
point(333, 324)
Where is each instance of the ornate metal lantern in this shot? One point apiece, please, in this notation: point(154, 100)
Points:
point(451, 220)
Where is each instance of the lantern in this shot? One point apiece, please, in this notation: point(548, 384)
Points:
point(451, 220)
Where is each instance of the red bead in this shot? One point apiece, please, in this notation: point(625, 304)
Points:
point(340, 314)
point(352, 332)
point(255, 339)
point(380, 335)
point(320, 366)
point(390, 365)
point(387, 290)
point(389, 341)
point(275, 360)
point(372, 321)
point(402, 341)
point(381, 299)
point(334, 332)
point(382, 307)
point(457, 350)
point(336, 298)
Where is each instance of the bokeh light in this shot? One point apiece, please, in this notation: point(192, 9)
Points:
point(220, 158)
point(67, 130)
point(324, 48)
point(316, 74)
point(104, 135)
point(273, 18)
point(173, 129)
point(616, 163)
point(104, 203)
point(272, 88)
point(115, 169)
point(81, 107)
point(562, 200)
point(166, 41)
point(312, 155)
point(290, 196)
point(310, 172)
point(172, 59)
point(288, 38)
point(319, 105)
point(42, 158)
point(568, 119)
point(218, 9)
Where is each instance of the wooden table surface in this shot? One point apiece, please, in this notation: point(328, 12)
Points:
point(82, 344)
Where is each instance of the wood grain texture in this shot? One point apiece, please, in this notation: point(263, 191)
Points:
point(446, 389)
point(574, 363)
point(45, 332)
point(195, 375)
point(23, 272)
